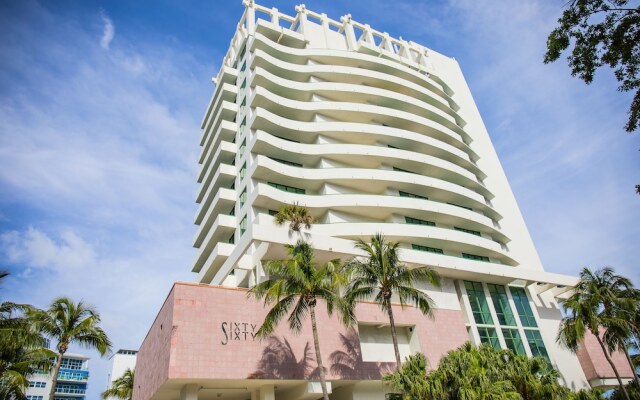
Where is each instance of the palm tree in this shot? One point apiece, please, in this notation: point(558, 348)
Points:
point(294, 287)
point(67, 323)
point(122, 387)
point(296, 215)
point(22, 351)
point(381, 274)
point(598, 302)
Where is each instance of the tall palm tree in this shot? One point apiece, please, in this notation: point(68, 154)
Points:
point(122, 387)
point(296, 215)
point(381, 275)
point(597, 303)
point(67, 323)
point(294, 287)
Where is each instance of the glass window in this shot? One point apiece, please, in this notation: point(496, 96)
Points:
point(458, 205)
point(272, 212)
point(478, 302)
point(243, 67)
point(416, 221)
point(286, 188)
point(243, 225)
point(414, 196)
point(522, 305)
point(243, 171)
point(244, 84)
point(467, 231)
point(475, 257)
point(513, 341)
point(242, 148)
point(500, 302)
point(427, 248)
point(489, 336)
point(293, 164)
point(232, 238)
point(243, 197)
point(243, 123)
point(403, 170)
point(536, 344)
point(69, 363)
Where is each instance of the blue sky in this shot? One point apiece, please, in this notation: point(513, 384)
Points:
point(100, 104)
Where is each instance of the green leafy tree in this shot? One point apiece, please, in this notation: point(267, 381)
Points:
point(296, 215)
point(122, 387)
point(22, 351)
point(602, 32)
point(294, 287)
point(479, 373)
point(381, 275)
point(599, 302)
point(632, 389)
point(67, 322)
point(586, 394)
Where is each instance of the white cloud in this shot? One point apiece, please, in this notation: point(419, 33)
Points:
point(108, 32)
point(34, 248)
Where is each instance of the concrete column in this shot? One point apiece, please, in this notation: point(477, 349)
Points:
point(189, 392)
point(254, 394)
point(349, 32)
point(302, 17)
point(267, 392)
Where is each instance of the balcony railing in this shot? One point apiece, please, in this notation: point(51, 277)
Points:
point(66, 390)
point(73, 376)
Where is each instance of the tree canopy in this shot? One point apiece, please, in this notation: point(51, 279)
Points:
point(602, 33)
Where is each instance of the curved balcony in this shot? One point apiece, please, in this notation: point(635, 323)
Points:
point(352, 93)
point(367, 156)
point(362, 133)
point(220, 230)
point(352, 75)
point(214, 261)
point(354, 112)
point(364, 61)
point(378, 207)
point(226, 113)
point(225, 153)
point(225, 175)
point(374, 181)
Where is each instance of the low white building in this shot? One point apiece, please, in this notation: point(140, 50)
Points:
point(121, 361)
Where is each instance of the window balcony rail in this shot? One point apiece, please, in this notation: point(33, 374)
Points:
point(73, 376)
point(65, 390)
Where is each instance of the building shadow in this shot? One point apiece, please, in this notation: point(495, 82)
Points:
point(348, 363)
point(278, 361)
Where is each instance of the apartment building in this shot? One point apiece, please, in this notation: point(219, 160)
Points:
point(372, 134)
point(72, 383)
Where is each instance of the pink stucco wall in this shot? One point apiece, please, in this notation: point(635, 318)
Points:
point(152, 363)
point(207, 334)
point(595, 364)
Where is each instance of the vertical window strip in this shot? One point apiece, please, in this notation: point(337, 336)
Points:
point(478, 302)
point(243, 225)
point(489, 336)
point(243, 197)
point(513, 341)
point(500, 302)
point(536, 344)
point(522, 306)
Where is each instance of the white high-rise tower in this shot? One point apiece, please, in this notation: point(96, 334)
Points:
point(373, 134)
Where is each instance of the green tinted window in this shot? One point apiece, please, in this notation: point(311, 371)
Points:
point(522, 305)
point(243, 225)
point(286, 188)
point(467, 231)
point(536, 344)
point(243, 171)
point(427, 248)
point(414, 196)
point(243, 146)
point(416, 221)
point(293, 164)
point(475, 257)
point(243, 197)
point(478, 302)
point(458, 205)
point(500, 302)
point(489, 336)
point(513, 341)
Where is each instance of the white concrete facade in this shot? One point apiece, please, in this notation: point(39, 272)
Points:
point(372, 134)
point(121, 361)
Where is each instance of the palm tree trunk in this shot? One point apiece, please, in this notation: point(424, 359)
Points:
point(394, 336)
point(615, 370)
point(54, 380)
point(633, 368)
point(316, 342)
